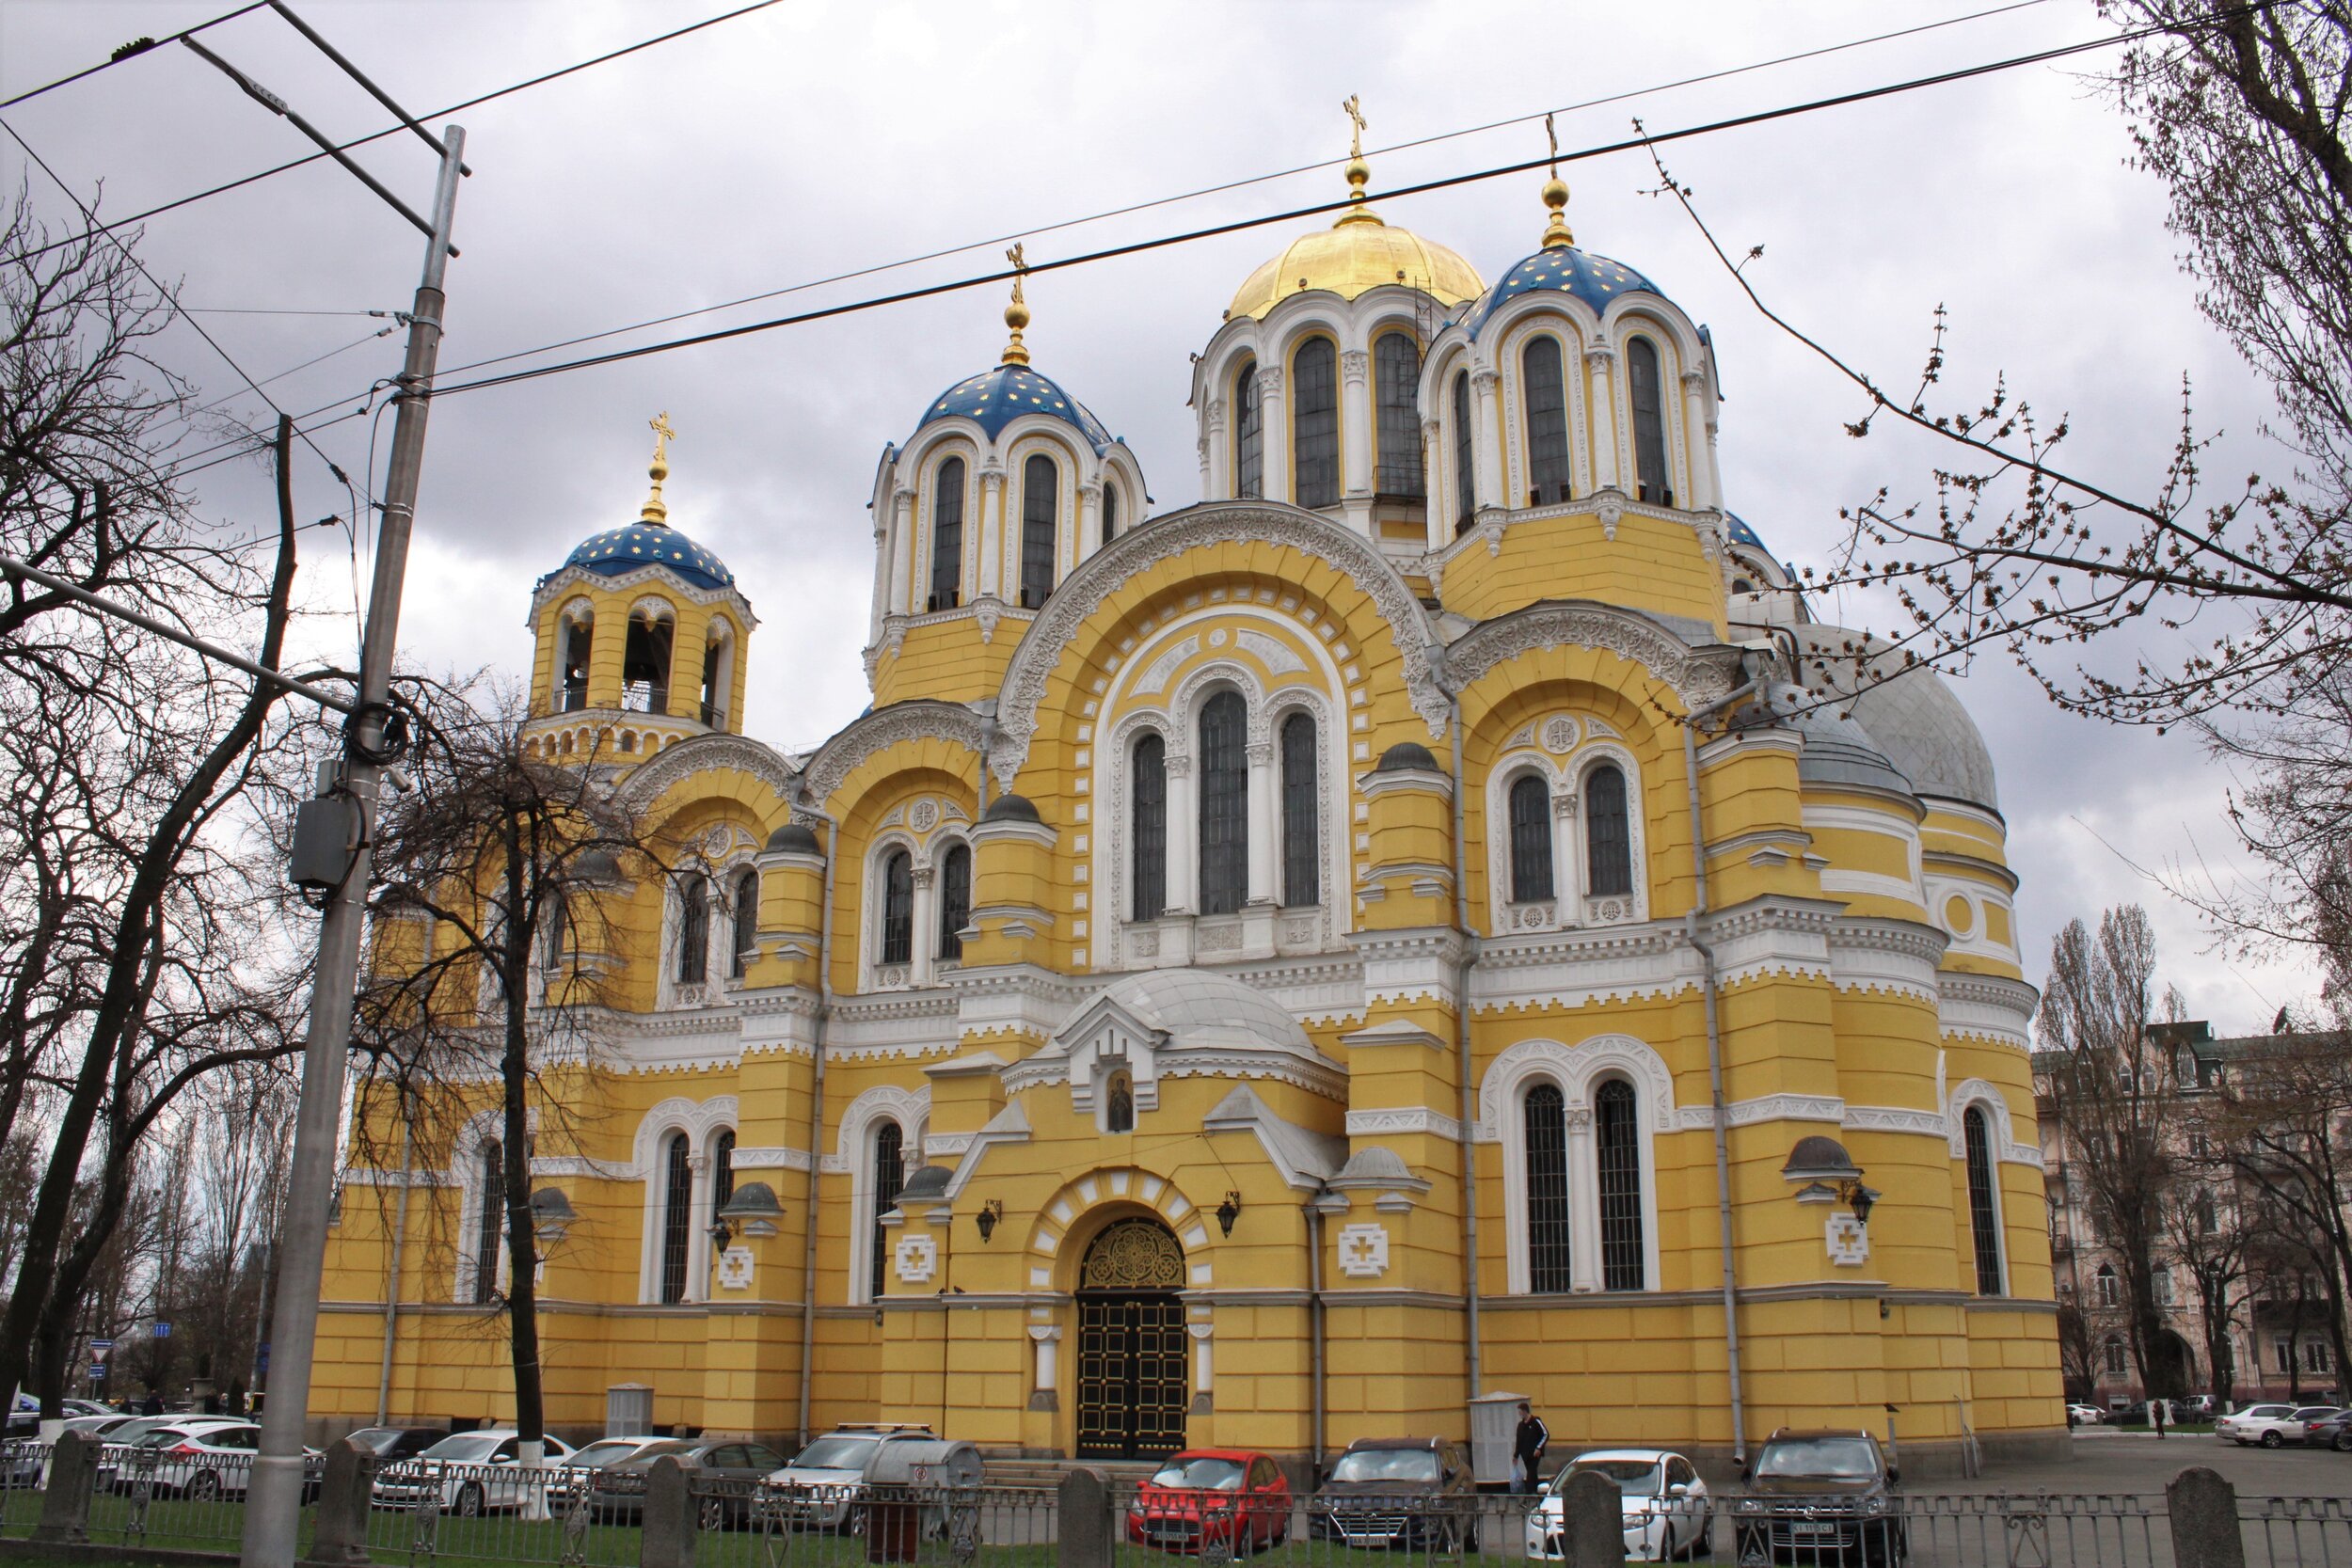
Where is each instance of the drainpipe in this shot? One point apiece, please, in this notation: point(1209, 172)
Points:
point(391, 1274)
point(816, 1131)
point(1473, 1362)
point(1315, 1325)
point(1715, 1059)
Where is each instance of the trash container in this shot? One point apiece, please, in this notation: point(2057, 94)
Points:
point(1494, 1431)
point(916, 1489)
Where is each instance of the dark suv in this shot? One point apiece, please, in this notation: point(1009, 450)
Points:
point(1412, 1491)
point(1818, 1498)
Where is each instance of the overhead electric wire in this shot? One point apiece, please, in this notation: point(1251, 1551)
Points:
point(130, 52)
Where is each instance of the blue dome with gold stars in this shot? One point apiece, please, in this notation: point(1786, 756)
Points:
point(1563, 269)
point(1742, 534)
point(617, 552)
point(996, 398)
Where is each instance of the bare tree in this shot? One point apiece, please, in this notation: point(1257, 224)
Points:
point(2207, 1234)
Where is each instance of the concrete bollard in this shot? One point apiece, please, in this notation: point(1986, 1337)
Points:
point(345, 1494)
point(72, 1478)
point(2205, 1531)
point(668, 1539)
point(1088, 1534)
point(1592, 1532)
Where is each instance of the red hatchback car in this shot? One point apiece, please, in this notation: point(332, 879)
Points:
point(1235, 1496)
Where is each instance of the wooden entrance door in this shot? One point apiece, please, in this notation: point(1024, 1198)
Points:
point(1131, 1345)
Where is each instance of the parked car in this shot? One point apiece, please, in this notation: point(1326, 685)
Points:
point(1235, 1496)
point(1819, 1496)
point(824, 1486)
point(205, 1460)
point(128, 1452)
point(616, 1489)
point(474, 1473)
point(2197, 1407)
point(2332, 1431)
point(1412, 1492)
point(1667, 1511)
point(397, 1442)
point(2085, 1415)
point(2273, 1426)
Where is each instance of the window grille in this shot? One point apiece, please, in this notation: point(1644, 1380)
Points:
point(1300, 883)
point(890, 1175)
point(897, 922)
point(722, 1171)
point(485, 1245)
point(1624, 1263)
point(1224, 804)
point(1397, 385)
point(1546, 420)
point(1547, 1128)
point(1985, 1222)
point(947, 535)
point(1119, 1113)
point(1148, 858)
point(955, 901)
point(1608, 836)
point(1315, 426)
point(693, 931)
point(579, 640)
point(1110, 512)
point(1649, 421)
point(677, 1201)
point(1040, 487)
point(1530, 839)
point(1249, 435)
point(746, 921)
point(1465, 474)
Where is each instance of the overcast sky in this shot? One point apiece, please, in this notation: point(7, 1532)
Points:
point(805, 142)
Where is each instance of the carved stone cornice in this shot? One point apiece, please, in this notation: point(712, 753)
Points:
point(705, 754)
point(1698, 676)
point(920, 719)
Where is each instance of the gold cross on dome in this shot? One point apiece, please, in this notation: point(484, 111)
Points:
point(1355, 112)
point(1019, 258)
point(662, 436)
point(1553, 136)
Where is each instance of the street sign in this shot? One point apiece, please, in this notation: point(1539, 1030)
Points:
point(162, 1329)
point(98, 1348)
point(98, 1371)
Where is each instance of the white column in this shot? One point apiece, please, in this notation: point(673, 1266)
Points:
point(1583, 1213)
point(1261, 888)
point(923, 953)
point(1275, 435)
point(1204, 1368)
point(1601, 361)
point(1047, 1340)
point(902, 555)
point(1216, 455)
point(1487, 446)
point(1437, 506)
point(1356, 442)
point(1181, 825)
point(1702, 494)
point(1568, 880)
point(992, 549)
point(697, 1220)
point(1089, 537)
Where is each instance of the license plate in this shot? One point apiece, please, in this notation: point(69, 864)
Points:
point(1802, 1527)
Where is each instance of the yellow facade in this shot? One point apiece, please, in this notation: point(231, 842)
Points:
point(1265, 906)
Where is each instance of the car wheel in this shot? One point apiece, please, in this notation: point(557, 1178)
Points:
point(469, 1501)
point(2272, 1440)
point(204, 1486)
point(2342, 1442)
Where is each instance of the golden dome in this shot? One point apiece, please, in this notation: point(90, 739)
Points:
point(1354, 256)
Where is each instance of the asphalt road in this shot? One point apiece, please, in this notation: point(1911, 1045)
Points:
point(2134, 1462)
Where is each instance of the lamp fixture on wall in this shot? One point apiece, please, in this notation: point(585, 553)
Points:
point(1228, 1211)
point(991, 1211)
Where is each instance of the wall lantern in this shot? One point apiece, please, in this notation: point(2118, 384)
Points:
point(1228, 1211)
point(991, 1211)
point(720, 1234)
point(1861, 1200)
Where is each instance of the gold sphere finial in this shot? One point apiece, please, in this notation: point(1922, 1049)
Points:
point(657, 511)
point(1017, 312)
point(1358, 171)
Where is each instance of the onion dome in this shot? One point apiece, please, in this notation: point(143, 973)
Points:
point(1910, 714)
point(651, 541)
point(1559, 267)
point(1406, 756)
point(994, 399)
point(1011, 808)
point(1742, 534)
point(1356, 254)
point(794, 838)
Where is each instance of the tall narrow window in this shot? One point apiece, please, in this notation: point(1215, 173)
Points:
point(1530, 839)
point(1315, 424)
point(1147, 860)
point(1224, 804)
point(890, 1175)
point(1617, 1152)
point(1249, 435)
point(557, 925)
point(2111, 1355)
point(1649, 421)
point(1397, 390)
point(746, 920)
point(1547, 1129)
point(645, 665)
point(1301, 835)
point(947, 536)
point(955, 900)
point(1110, 512)
point(714, 702)
point(1985, 1215)
point(2107, 1287)
point(486, 1227)
point(693, 931)
point(1608, 838)
point(1546, 396)
point(677, 1215)
point(1040, 487)
point(580, 638)
point(1465, 473)
point(722, 1171)
point(898, 914)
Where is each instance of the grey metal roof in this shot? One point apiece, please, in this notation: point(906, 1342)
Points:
point(1911, 713)
point(1837, 751)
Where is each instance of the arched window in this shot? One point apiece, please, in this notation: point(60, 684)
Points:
point(1224, 804)
point(1396, 384)
point(1618, 1163)
point(947, 536)
point(1985, 1215)
point(1546, 396)
point(1547, 1128)
point(722, 1171)
point(1040, 493)
point(1110, 512)
point(1465, 473)
point(1649, 421)
point(677, 1213)
point(2108, 1288)
point(1249, 435)
point(556, 927)
point(955, 900)
point(746, 920)
point(1608, 836)
point(1119, 1106)
point(1530, 839)
point(693, 931)
point(2112, 1356)
point(646, 664)
point(486, 1227)
point(717, 677)
point(890, 1175)
point(1147, 862)
point(898, 920)
point(1315, 424)
point(580, 638)
point(1301, 885)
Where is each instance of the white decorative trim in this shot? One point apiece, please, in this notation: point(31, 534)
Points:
point(1848, 1239)
point(1770, 1107)
point(1575, 1068)
point(770, 1159)
point(703, 754)
point(918, 1257)
point(1375, 1124)
point(735, 1269)
point(1578, 1072)
point(1698, 677)
point(702, 1121)
point(1986, 1007)
point(877, 731)
point(1363, 1250)
point(1128, 1187)
point(910, 1109)
point(2005, 1144)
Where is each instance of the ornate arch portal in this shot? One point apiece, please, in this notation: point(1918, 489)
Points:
point(1131, 1343)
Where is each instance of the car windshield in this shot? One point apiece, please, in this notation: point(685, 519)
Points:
point(672, 1445)
point(2314, 1411)
point(610, 1451)
point(1417, 1465)
point(1200, 1473)
point(1832, 1458)
point(836, 1453)
point(464, 1448)
point(1635, 1478)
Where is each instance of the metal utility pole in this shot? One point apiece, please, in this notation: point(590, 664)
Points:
point(273, 1511)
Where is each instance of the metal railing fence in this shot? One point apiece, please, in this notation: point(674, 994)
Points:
point(24, 1477)
point(433, 1510)
point(165, 1497)
point(745, 1524)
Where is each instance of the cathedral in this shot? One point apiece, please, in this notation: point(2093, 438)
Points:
point(1402, 934)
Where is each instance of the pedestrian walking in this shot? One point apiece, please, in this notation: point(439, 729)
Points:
point(1526, 1448)
point(2156, 1410)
